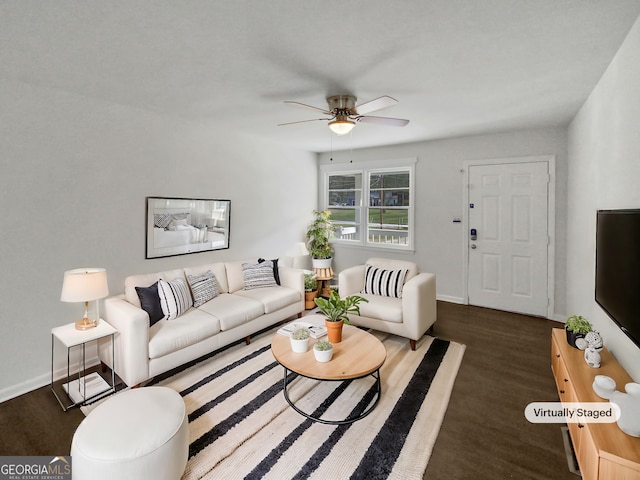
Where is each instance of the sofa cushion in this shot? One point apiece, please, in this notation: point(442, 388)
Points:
point(387, 283)
point(203, 288)
point(233, 310)
point(276, 272)
point(219, 272)
point(273, 298)
point(146, 280)
point(168, 336)
point(388, 309)
point(175, 297)
point(391, 264)
point(258, 275)
point(150, 302)
point(235, 278)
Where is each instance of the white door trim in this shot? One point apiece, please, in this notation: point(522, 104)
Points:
point(551, 220)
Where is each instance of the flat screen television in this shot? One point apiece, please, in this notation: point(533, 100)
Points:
point(618, 268)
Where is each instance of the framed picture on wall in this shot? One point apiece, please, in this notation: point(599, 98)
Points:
point(178, 226)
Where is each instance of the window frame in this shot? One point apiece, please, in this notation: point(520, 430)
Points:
point(366, 169)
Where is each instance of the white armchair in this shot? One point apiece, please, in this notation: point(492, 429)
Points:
point(411, 315)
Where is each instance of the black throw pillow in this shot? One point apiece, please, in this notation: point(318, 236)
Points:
point(150, 302)
point(276, 275)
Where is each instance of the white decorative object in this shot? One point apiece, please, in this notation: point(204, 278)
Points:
point(604, 386)
point(300, 340)
point(629, 403)
point(594, 346)
point(323, 351)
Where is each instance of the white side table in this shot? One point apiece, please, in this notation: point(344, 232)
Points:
point(83, 387)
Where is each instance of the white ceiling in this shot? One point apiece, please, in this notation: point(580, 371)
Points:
point(457, 67)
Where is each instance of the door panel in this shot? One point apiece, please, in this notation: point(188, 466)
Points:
point(508, 261)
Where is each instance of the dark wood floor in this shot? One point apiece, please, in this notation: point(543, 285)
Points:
point(484, 435)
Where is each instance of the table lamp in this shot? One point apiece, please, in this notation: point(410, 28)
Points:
point(84, 285)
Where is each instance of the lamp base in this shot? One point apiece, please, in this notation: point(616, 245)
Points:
point(86, 324)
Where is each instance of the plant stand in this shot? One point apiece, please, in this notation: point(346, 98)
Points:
point(323, 275)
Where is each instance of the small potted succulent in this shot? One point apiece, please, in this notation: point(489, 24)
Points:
point(335, 309)
point(323, 351)
point(300, 339)
point(576, 327)
point(310, 291)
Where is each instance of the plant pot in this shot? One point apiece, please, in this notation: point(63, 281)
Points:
point(309, 298)
point(321, 262)
point(323, 356)
point(334, 330)
point(299, 346)
point(572, 337)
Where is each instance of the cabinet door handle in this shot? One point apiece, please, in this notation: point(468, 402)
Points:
point(557, 355)
point(566, 379)
point(562, 392)
point(580, 425)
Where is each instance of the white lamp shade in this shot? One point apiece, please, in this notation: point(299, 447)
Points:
point(84, 285)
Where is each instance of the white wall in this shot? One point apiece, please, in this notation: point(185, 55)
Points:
point(439, 198)
point(74, 174)
point(604, 171)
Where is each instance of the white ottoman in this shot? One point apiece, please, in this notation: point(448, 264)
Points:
point(136, 435)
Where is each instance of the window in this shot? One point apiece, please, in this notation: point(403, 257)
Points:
point(371, 206)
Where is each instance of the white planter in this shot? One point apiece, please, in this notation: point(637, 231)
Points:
point(299, 346)
point(321, 262)
point(323, 356)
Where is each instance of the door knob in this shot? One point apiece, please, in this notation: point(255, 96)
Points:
point(473, 246)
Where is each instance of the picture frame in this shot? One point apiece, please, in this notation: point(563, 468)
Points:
point(180, 226)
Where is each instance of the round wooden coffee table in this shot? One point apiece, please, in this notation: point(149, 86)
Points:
point(359, 355)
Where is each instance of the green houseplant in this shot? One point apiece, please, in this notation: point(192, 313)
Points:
point(336, 309)
point(310, 290)
point(319, 234)
point(576, 327)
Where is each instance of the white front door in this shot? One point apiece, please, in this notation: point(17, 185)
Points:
point(508, 213)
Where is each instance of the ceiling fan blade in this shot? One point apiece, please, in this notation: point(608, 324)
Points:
point(393, 122)
point(303, 121)
point(304, 105)
point(376, 104)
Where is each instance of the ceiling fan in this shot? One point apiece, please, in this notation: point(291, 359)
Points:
point(343, 113)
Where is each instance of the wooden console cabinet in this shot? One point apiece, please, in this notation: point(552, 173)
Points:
point(603, 450)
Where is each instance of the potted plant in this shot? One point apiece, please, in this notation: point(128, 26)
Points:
point(300, 339)
point(335, 309)
point(319, 233)
point(323, 351)
point(310, 290)
point(576, 327)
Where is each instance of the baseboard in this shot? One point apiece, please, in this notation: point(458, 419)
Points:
point(450, 299)
point(37, 382)
point(25, 387)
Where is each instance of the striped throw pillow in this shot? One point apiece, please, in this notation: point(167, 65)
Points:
point(203, 287)
point(175, 298)
point(387, 283)
point(258, 275)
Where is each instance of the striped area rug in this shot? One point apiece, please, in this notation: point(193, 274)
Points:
point(241, 427)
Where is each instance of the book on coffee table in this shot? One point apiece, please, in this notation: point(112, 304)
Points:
point(316, 331)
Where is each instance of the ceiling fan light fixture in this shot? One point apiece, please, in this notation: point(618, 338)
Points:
point(341, 126)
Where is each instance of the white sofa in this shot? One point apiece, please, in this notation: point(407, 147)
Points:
point(411, 315)
point(143, 351)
